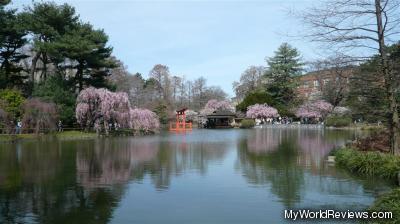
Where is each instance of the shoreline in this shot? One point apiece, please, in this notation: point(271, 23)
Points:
point(374, 164)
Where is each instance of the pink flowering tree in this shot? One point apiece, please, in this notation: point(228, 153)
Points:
point(214, 105)
point(261, 111)
point(316, 109)
point(39, 115)
point(341, 111)
point(143, 121)
point(100, 109)
point(191, 115)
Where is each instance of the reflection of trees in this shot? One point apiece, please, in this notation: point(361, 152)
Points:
point(39, 178)
point(278, 168)
point(83, 181)
point(119, 160)
point(282, 161)
point(264, 140)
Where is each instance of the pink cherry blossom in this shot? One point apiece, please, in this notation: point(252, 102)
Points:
point(98, 108)
point(316, 109)
point(214, 105)
point(261, 111)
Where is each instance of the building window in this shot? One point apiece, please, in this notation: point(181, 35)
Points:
point(316, 83)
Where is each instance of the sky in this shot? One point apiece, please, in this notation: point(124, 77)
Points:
point(214, 39)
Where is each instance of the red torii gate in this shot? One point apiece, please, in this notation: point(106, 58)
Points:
point(180, 123)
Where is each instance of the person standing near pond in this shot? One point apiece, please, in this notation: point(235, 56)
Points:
point(18, 127)
point(60, 126)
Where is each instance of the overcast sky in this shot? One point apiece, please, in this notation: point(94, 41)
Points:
point(214, 39)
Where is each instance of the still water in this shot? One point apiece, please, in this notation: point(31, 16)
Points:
point(206, 176)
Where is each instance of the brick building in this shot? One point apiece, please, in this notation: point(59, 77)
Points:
point(311, 85)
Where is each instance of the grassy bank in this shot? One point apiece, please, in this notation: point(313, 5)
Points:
point(388, 202)
point(352, 126)
point(75, 135)
point(61, 135)
point(374, 164)
point(11, 138)
point(369, 163)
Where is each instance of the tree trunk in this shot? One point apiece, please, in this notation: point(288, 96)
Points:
point(44, 72)
point(33, 67)
point(388, 75)
point(79, 76)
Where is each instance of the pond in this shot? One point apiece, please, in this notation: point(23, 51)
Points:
point(205, 176)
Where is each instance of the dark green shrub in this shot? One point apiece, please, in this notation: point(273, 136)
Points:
point(388, 202)
point(247, 123)
point(11, 101)
point(58, 91)
point(369, 163)
point(252, 98)
point(338, 121)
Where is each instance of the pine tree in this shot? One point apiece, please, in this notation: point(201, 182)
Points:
point(11, 41)
point(87, 49)
point(47, 22)
point(283, 67)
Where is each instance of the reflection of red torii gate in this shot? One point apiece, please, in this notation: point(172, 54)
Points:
point(180, 123)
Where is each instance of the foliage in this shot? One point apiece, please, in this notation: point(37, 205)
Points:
point(255, 97)
point(162, 112)
point(283, 67)
point(143, 121)
point(39, 115)
point(191, 115)
point(367, 98)
point(12, 101)
point(338, 121)
point(12, 39)
point(88, 48)
point(214, 105)
point(46, 22)
point(99, 108)
point(57, 90)
point(249, 81)
point(385, 203)
point(261, 111)
point(247, 123)
point(6, 123)
point(316, 109)
point(369, 163)
point(341, 111)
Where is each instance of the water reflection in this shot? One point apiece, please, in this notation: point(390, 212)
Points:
point(290, 163)
point(83, 181)
point(88, 181)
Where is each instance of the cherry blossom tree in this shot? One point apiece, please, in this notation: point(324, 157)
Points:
point(316, 109)
point(214, 105)
point(191, 115)
point(143, 121)
point(100, 108)
point(39, 115)
point(261, 111)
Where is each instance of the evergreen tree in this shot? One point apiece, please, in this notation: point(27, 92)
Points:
point(55, 89)
point(87, 49)
point(11, 41)
point(283, 67)
point(367, 95)
point(47, 22)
